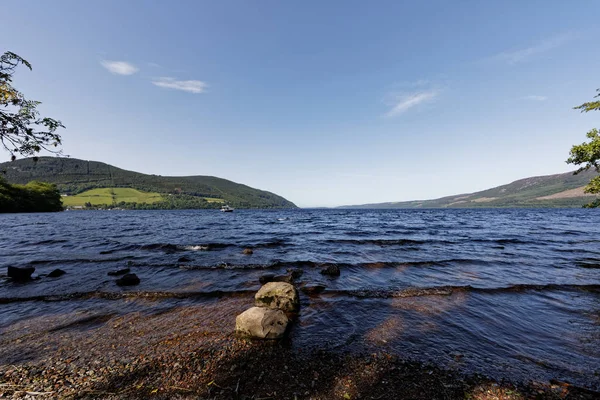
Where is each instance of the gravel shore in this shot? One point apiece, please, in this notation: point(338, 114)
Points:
point(190, 352)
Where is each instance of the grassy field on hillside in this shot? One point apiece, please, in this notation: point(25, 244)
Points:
point(111, 196)
point(214, 200)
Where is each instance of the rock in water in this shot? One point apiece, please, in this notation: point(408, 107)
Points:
point(313, 289)
point(262, 323)
point(248, 251)
point(278, 295)
point(332, 270)
point(20, 274)
point(295, 273)
point(128, 280)
point(119, 272)
point(275, 278)
point(183, 259)
point(56, 273)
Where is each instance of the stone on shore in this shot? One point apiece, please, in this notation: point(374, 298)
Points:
point(278, 295)
point(331, 270)
point(262, 323)
point(117, 272)
point(20, 274)
point(56, 273)
point(128, 280)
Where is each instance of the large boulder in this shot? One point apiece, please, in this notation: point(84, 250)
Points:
point(261, 323)
point(278, 295)
point(20, 274)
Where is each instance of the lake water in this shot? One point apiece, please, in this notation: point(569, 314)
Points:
point(508, 293)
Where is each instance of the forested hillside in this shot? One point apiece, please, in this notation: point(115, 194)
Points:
point(73, 176)
point(560, 190)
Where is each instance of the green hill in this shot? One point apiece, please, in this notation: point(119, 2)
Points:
point(73, 177)
point(560, 190)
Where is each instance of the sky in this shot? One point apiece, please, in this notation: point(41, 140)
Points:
point(325, 103)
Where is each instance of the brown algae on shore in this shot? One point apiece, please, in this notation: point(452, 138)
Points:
point(190, 352)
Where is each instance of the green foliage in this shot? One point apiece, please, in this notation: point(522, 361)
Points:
point(32, 197)
point(73, 176)
point(22, 130)
point(588, 153)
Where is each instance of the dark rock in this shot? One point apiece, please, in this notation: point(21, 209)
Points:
point(20, 274)
point(266, 278)
point(313, 289)
point(331, 270)
point(128, 280)
point(248, 251)
point(184, 259)
point(56, 273)
point(275, 278)
point(295, 273)
point(119, 272)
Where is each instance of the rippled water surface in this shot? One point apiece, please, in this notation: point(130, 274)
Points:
point(510, 293)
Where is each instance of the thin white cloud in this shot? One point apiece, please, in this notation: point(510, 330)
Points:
point(535, 97)
point(120, 67)
point(522, 55)
point(405, 102)
point(191, 86)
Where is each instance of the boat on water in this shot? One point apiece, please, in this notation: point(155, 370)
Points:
point(226, 208)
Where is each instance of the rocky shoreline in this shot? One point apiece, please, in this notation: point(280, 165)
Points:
point(191, 352)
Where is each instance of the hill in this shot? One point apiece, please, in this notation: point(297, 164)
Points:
point(73, 177)
point(560, 190)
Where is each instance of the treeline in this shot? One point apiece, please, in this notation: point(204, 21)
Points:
point(73, 176)
point(32, 197)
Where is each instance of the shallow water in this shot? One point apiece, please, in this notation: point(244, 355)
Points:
point(509, 293)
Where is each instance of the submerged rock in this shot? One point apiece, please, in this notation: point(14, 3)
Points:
point(313, 289)
point(331, 270)
point(183, 259)
point(278, 295)
point(262, 323)
point(248, 251)
point(295, 273)
point(275, 278)
point(119, 272)
point(128, 280)
point(20, 274)
point(56, 273)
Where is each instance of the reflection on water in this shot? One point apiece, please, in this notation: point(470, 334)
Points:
point(511, 293)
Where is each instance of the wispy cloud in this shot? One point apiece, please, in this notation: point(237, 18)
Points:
point(120, 67)
point(406, 101)
point(191, 86)
point(521, 55)
point(535, 97)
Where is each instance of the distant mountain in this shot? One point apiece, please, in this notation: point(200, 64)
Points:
point(73, 176)
point(560, 190)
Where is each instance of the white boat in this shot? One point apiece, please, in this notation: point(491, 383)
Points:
point(226, 208)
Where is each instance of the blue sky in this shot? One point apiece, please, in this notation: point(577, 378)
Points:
point(325, 103)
